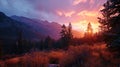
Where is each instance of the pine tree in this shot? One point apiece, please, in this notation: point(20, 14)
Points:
point(48, 42)
point(63, 31)
point(20, 43)
point(66, 35)
point(63, 38)
point(70, 31)
point(89, 31)
point(110, 21)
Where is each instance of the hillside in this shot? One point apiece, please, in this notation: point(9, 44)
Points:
point(30, 29)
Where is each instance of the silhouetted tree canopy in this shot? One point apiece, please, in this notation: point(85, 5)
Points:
point(110, 23)
point(66, 35)
point(110, 20)
point(48, 42)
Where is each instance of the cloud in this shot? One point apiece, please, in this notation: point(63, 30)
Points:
point(88, 13)
point(76, 2)
point(66, 14)
point(92, 1)
point(61, 11)
point(16, 7)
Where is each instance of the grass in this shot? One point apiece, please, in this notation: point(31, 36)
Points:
point(75, 56)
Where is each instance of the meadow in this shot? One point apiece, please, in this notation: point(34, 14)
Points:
point(84, 55)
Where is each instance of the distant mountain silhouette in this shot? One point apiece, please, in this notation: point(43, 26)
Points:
point(31, 29)
point(44, 27)
point(10, 29)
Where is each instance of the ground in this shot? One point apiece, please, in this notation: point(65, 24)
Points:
point(96, 55)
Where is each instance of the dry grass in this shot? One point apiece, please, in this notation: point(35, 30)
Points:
point(76, 56)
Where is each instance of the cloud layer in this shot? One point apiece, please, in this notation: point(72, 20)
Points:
point(62, 11)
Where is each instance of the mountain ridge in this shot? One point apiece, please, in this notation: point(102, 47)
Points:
point(32, 29)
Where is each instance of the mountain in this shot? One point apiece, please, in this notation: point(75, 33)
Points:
point(11, 29)
point(44, 27)
point(30, 29)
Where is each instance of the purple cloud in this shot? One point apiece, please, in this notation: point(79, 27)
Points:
point(62, 11)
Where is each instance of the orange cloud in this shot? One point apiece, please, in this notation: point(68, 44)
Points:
point(75, 2)
point(66, 14)
point(92, 1)
point(59, 13)
point(69, 14)
point(88, 13)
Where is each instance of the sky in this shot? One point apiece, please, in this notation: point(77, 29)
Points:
point(78, 12)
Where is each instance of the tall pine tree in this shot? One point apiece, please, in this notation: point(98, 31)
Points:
point(66, 35)
point(70, 36)
point(110, 22)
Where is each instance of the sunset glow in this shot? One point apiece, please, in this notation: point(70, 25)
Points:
point(78, 12)
point(82, 26)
